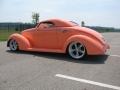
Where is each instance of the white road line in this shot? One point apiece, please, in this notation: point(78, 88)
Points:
point(115, 55)
point(88, 81)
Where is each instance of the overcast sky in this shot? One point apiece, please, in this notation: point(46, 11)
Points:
point(93, 12)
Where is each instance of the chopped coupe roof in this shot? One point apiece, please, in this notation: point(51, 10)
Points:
point(60, 22)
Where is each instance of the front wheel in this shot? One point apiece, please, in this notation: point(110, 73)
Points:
point(76, 50)
point(13, 45)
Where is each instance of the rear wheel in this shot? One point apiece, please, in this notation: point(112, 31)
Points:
point(13, 45)
point(76, 50)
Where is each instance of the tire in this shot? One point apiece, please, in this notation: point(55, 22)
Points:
point(13, 45)
point(76, 50)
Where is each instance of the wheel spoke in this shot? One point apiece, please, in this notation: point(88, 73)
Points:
point(14, 44)
point(80, 46)
point(73, 50)
point(77, 53)
point(75, 45)
point(81, 51)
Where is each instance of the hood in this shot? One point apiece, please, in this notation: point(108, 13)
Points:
point(27, 30)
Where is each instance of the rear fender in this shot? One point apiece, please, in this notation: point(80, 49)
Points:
point(92, 46)
point(23, 43)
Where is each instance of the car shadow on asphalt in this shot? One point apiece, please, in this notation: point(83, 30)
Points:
point(89, 59)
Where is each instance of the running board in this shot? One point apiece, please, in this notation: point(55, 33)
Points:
point(46, 50)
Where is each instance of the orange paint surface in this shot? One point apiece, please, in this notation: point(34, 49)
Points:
point(55, 35)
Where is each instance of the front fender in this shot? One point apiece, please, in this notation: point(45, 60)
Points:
point(23, 43)
point(93, 46)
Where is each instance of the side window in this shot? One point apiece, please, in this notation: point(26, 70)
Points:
point(43, 26)
point(48, 24)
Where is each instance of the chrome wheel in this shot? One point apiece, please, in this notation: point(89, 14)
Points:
point(13, 45)
point(76, 50)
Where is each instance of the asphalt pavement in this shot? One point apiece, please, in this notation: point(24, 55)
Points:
point(50, 71)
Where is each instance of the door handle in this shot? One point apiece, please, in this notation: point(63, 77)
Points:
point(64, 31)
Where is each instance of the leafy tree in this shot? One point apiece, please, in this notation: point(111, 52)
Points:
point(35, 18)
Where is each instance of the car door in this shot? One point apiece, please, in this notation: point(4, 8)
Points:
point(63, 34)
point(45, 37)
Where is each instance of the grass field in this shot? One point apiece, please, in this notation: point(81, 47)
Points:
point(4, 34)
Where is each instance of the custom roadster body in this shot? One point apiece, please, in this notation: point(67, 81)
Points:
point(59, 36)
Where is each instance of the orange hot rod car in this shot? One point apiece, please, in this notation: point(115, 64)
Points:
point(60, 36)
